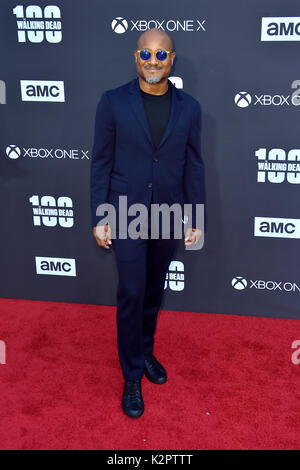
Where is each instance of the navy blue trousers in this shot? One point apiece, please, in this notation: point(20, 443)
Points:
point(142, 265)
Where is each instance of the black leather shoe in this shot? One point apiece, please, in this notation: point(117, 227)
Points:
point(132, 401)
point(154, 371)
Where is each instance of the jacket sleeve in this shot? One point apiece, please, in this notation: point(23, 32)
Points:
point(194, 171)
point(102, 156)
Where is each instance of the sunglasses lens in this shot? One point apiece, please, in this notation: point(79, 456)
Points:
point(161, 54)
point(145, 54)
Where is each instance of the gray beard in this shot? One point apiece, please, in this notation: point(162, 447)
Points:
point(152, 79)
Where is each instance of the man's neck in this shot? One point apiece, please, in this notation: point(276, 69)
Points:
point(159, 88)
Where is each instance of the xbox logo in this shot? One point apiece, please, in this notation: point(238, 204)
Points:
point(239, 283)
point(13, 152)
point(242, 99)
point(119, 25)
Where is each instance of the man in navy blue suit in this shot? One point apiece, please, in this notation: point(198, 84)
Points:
point(146, 148)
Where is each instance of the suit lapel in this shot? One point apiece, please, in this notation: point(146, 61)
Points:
point(137, 104)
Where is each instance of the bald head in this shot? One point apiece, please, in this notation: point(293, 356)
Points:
point(154, 70)
point(157, 35)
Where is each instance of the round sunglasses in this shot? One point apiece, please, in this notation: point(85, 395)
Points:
point(161, 54)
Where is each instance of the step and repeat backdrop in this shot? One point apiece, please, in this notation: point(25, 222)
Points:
point(241, 62)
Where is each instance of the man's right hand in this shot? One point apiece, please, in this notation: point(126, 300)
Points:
point(102, 234)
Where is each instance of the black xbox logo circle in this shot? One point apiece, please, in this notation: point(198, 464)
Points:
point(119, 25)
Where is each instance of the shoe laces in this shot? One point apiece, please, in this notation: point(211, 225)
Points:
point(133, 388)
point(151, 361)
point(153, 364)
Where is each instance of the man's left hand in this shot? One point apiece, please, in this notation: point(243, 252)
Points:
point(192, 235)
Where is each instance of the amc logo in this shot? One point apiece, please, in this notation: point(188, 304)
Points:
point(55, 266)
point(37, 90)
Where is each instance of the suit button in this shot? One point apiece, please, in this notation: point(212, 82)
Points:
point(149, 185)
point(155, 159)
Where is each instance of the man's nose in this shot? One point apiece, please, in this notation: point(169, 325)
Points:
point(153, 59)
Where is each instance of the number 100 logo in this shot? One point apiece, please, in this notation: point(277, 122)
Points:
point(36, 24)
point(50, 212)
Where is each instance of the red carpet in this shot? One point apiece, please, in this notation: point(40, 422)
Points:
point(232, 384)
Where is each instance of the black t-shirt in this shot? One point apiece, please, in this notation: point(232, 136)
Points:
point(157, 108)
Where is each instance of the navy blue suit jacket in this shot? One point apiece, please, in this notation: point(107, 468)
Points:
point(125, 160)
